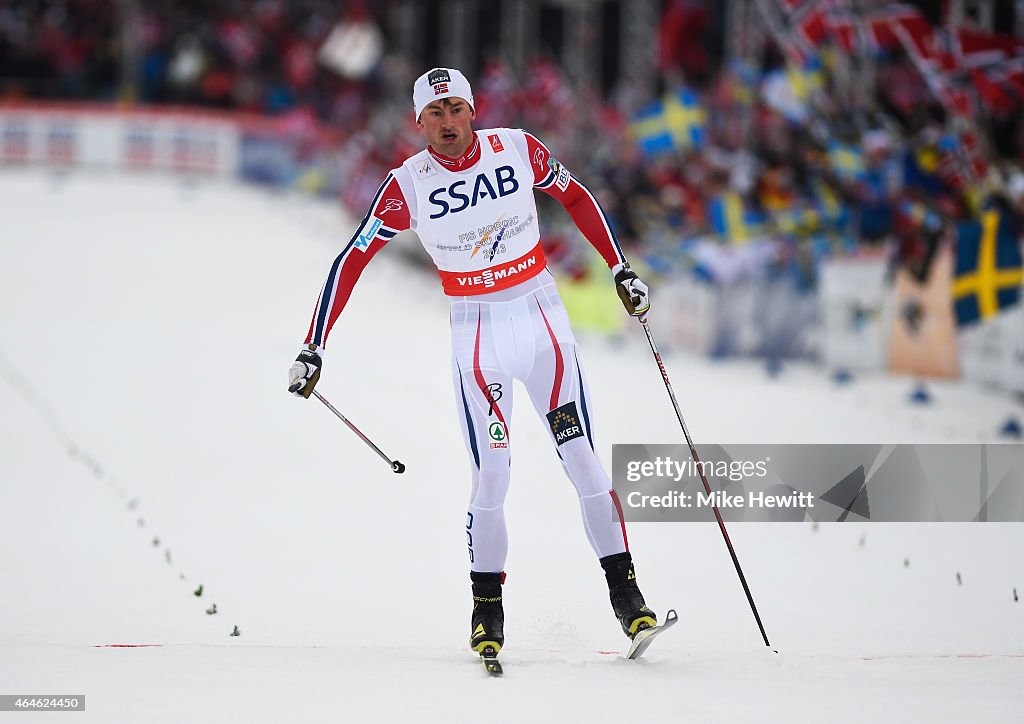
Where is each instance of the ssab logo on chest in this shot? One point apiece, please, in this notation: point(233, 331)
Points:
point(459, 197)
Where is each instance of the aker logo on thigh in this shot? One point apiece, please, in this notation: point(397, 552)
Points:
point(565, 423)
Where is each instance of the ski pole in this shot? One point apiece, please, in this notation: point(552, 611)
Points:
point(395, 464)
point(707, 487)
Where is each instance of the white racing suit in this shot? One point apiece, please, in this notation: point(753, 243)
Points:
point(477, 218)
point(523, 333)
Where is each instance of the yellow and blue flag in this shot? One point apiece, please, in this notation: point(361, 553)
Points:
point(730, 218)
point(846, 160)
point(676, 122)
point(806, 79)
point(746, 78)
point(989, 268)
point(831, 208)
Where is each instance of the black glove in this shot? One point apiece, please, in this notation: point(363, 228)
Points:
point(305, 372)
point(632, 292)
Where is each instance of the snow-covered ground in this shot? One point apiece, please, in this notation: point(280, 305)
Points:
point(147, 447)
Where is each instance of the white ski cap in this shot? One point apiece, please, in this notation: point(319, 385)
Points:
point(440, 83)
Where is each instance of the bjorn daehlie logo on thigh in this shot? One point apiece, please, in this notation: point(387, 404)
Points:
point(493, 395)
point(565, 423)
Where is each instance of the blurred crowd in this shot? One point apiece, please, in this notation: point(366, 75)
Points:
point(802, 153)
point(58, 51)
point(253, 56)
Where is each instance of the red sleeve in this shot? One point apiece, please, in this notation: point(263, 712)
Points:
point(388, 215)
point(554, 179)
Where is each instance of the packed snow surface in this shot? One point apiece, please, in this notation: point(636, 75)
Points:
point(148, 447)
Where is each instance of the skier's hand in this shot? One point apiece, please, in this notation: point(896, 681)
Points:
point(632, 291)
point(305, 372)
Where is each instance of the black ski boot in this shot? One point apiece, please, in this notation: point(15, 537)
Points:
point(488, 615)
point(627, 601)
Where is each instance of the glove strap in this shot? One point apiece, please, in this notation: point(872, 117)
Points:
point(623, 273)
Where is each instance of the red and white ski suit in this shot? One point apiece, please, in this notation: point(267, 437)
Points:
point(477, 218)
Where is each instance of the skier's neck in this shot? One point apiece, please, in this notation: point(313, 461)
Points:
point(467, 159)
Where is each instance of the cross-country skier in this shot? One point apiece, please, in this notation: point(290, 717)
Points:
point(469, 197)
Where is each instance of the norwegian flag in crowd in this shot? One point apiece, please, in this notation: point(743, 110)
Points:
point(934, 54)
point(811, 23)
point(809, 26)
point(993, 95)
point(804, 26)
point(950, 61)
point(1009, 75)
point(978, 47)
point(842, 27)
point(900, 25)
point(994, 64)
point(963, 161)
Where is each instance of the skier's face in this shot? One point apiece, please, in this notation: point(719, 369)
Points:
point(448, 125)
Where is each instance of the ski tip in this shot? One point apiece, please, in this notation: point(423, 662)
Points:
point(645, 636)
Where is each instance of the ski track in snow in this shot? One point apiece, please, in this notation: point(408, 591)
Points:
point(148, 446)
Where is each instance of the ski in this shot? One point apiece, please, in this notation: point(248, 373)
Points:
point(489, 657)
point(645, 637)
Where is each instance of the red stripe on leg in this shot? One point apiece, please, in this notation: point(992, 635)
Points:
point(479, 375)
point(622, 520)
point(559, 364)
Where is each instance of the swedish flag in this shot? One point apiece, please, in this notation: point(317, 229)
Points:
point(831, 208)
point(846, 160)
point(677, 121)
point(745, 81)
point(989, 269)
point(731, 219)
point(806, 79)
